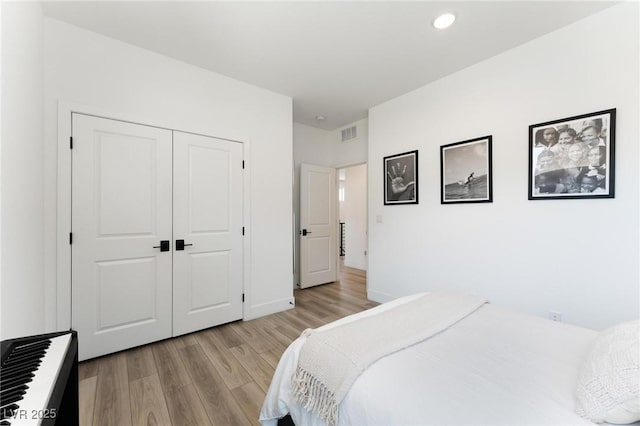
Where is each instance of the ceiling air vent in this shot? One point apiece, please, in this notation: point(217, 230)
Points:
point(349, 133)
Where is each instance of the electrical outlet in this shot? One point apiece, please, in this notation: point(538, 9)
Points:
point(555, 316)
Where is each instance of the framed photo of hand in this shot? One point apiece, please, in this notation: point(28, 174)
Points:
point(401, 178)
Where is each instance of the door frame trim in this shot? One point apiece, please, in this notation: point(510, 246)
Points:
point(63, 203)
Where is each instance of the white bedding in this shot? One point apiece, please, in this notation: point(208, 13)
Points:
point(495, 367)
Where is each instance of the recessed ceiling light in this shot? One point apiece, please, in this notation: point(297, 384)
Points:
point(443, 21)
point(320, 117)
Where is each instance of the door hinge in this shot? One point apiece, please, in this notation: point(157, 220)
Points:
point(70, 237)
point(70, 142)
point(243, 230)
point(243, 297)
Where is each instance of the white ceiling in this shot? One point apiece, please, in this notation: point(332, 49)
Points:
point(335, 59)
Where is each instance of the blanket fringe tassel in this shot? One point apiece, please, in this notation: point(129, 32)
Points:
point(315, 397)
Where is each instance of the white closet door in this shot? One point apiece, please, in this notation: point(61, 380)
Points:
point(207, 208)
point(121, 191)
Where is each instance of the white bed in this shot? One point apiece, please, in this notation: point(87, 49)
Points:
point(494, 367)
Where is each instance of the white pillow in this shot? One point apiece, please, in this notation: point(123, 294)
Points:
point(609, 382)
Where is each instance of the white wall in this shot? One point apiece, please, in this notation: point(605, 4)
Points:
point(578, 257)
point(355, 216)
point(85, 68)
point(353, 151)
point(21, 277)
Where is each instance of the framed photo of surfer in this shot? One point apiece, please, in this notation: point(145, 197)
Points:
point(573, 157)
point(401, 178)
point(465, 172)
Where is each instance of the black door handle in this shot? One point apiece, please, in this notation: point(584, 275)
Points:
point(164, 245)
point(180, 245)
point(305, 232)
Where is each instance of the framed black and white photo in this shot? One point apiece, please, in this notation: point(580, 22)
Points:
point(401, 178)
point(465, 172)
point(573, 157)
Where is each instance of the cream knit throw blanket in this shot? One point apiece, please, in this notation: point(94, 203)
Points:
point(331, 360)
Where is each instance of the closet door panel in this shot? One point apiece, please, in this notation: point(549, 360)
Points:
point(207, 206)
point(121, 210)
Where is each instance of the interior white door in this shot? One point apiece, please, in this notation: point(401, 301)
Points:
point(121, 192)
point(317, 225)
point(207, 208)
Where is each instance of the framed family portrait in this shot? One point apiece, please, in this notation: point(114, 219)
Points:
point(401, 178)
point(573, 157)
point(465, 172)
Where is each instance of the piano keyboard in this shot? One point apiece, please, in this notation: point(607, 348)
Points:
point(30, 371)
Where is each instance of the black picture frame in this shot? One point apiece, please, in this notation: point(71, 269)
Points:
point(573, 157)
point(466, 173)
point(401, 178)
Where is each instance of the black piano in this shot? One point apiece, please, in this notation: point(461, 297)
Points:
point(39, 380)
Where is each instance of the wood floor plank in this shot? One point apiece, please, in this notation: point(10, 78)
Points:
point(185, 340)
point(171, 371)
point(112, 405)
point(278, 340)
point(272, 357)
point(232, 372)
point(292, 320)
point(87, 399)
point(140, 362)
point(230, 338)
point(248, 396)
point(251, 334)
point(309, 320)
point(283, 328)
point(217, 399)
point(148, 406)
point(185, 408)
point(312, 308)
point(88, 368)
point(259, 369)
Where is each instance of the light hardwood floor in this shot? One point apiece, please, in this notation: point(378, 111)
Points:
point(217, 376)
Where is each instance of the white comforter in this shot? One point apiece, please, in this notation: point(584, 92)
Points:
point(495, 367)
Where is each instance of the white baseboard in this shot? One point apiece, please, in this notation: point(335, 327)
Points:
point(257, 311)
point(379, 297)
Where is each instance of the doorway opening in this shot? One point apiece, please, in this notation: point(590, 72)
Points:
point(352, 213)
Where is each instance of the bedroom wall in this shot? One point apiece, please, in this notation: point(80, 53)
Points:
point(577, 257)
point(353, 151)
point(85, 68)
point(21, 192)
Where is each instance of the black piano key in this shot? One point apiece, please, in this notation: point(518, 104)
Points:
point(24, 358)
point(8, 373)
point(17, 381)
point(24, 377)
point(13, 395)
point(30, 365)
point(30, 348)
point(34, 346)
point(7, 393)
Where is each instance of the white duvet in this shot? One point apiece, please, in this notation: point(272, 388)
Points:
point(495, 367)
